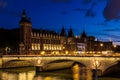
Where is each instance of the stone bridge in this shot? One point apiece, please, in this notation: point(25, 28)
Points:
point(103, 62)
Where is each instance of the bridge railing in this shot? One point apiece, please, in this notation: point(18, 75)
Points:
point(70, 55)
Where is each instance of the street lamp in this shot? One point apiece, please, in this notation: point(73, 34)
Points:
point(96, 64)
point(101, 45)
point(114, 45)
point(115, 48)
point(7, 49)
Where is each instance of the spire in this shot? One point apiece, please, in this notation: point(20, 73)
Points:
point(83, 35)
point(63, 32)
point(24, 18)
point(24, 14)
point(70, 33)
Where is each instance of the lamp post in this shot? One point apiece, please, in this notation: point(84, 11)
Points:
point(101, 45)
point(7, 49)
point(96, 64)
point(115, 48)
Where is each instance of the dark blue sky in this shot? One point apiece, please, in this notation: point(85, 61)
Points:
point(99, 18)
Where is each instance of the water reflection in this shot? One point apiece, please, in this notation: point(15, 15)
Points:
point(17, 76)
point(50, 78)
point(81, 73)
point(77, 73)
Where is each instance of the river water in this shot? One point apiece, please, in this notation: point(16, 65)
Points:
point(32, 74)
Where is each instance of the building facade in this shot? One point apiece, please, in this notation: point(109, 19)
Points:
point(39, 41)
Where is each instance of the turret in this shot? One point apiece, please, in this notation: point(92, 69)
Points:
point(63, 39)
point(83, 35)
point(63, 33)
point(23, 14)
point(24, 18)
point(70, 33)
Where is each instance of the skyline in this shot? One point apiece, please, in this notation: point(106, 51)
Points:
point(96, 17)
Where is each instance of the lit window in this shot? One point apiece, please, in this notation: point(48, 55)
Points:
point(38, 46)
point(33, 47)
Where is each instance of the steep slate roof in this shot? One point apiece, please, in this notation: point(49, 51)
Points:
point(44, 31)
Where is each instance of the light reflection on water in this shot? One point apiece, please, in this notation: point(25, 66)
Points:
point(17, 76)
point(30, 75)
point(33, 75)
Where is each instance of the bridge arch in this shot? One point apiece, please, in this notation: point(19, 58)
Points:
point(76, 68)
point(17, 63)
point(113, 71)
point(61, 64)
point(67, 60)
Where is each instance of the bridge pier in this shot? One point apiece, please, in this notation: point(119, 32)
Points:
point(96, 73)
point(39, 68)
point(1, 62)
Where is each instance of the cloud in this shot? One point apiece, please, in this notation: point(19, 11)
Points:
point(60, 1)
point(86, 1)
point(103, 24)
point(79, 9)
point(106, 35)
point(90, 13)
point(111, 30)
point(112, 10)
point(3, 4)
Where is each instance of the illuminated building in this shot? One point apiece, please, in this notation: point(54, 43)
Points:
point(36, 41)
point(39, 41)
point(88, 44)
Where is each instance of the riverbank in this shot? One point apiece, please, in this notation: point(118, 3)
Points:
point(108, 78)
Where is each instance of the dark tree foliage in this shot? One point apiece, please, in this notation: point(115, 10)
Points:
point(9, 38)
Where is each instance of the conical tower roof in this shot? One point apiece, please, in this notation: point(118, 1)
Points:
point(83, 35)
point(24, 18)
point(63, 33)
point(70, 33)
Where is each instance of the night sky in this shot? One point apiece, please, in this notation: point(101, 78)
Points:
point(99, 18)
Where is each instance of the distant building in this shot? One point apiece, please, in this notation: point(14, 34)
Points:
point(88, 44)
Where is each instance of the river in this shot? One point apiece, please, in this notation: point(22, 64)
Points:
point(28, 73)
point(31, 74)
